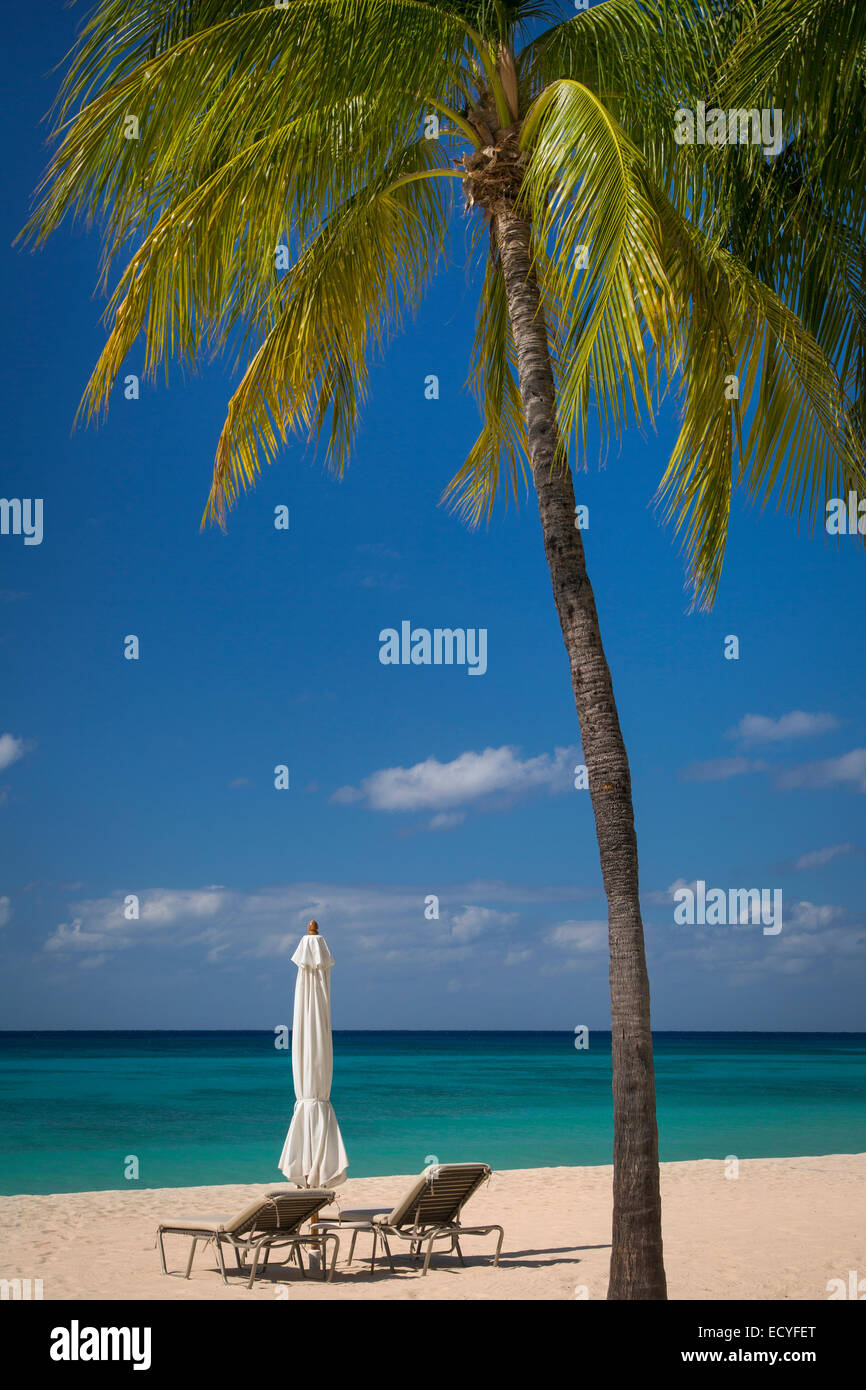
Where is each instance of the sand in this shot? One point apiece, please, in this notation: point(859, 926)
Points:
point(780, 1230)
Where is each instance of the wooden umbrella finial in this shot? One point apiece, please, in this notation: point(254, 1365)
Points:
point(313, 928)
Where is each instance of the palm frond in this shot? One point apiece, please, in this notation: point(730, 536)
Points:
point(586, 191)
point(747, 362)
point(351, 283)
point(236, 77)
point(497, 462)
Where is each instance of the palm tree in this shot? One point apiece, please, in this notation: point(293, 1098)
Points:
point(206, 133)
point(809, 58)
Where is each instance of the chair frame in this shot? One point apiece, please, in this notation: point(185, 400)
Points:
point(253, 1242)
point(419, 1233)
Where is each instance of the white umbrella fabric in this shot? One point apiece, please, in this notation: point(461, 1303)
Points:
point(313, 1152)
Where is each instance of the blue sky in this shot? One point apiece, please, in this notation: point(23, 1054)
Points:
point(260, 647)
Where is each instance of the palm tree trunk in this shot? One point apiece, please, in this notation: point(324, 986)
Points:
point(637, 1268)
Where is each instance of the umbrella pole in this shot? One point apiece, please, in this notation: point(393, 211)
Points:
point(314, 1244)
point(312, 930)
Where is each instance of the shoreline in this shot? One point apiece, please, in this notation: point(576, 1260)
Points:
point(781, 1228)
point(279, 1180)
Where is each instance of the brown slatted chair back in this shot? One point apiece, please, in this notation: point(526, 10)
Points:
point(439, 1194)
point(281, 1211)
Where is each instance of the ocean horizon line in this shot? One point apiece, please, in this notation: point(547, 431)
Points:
point(592, 1027)
point(454, 1032)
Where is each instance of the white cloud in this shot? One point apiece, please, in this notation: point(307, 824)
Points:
point(165, 907)
point(436, 786)
point(347, 795)
point(472, 921)
point(374, 926)
point(5, 911)
point(588, 938)
point(829, 772)
point(447, 820)
point(758, 728)
point(69, 936)
point(102, 923)
point(11, 749)
point(664, 897)
point(817, 858)
point(811, 916)
point(721, 769)
point(799, 950)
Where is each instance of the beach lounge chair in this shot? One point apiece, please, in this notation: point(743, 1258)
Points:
point(273, 1220)
point(430, 1211)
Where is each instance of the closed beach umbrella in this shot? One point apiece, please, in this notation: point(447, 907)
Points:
point(313, 1152)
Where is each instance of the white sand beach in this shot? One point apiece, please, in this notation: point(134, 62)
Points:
point(781, 1230)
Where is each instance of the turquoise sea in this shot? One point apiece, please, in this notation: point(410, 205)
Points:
point(202, 1108)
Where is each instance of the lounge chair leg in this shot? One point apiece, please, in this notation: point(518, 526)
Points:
point(387, 1251)
point(256, 1252)
point(455, 1245)
point(498, 1244)
point(429, 1253)
point(373, 1252)
point(191, 1256)
point(161, 1250)
point(352, 1246)
point(221, 1261)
